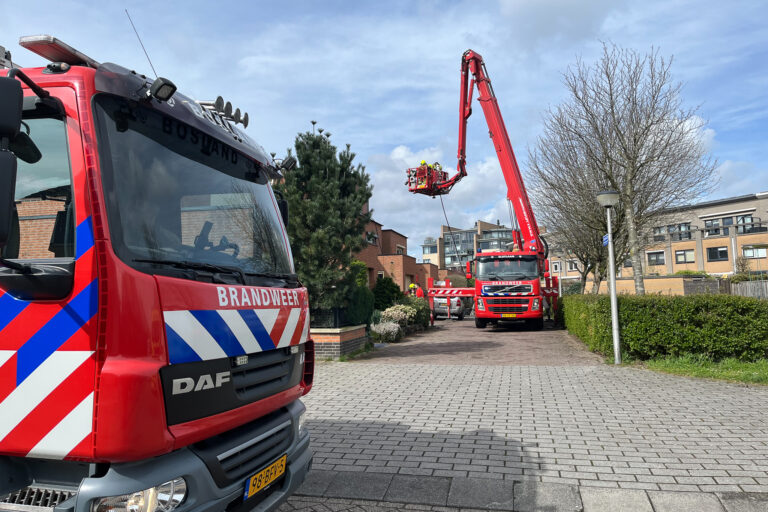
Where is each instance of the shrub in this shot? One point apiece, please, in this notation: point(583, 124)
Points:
point(376, 317)
point(423, 313)
point(653, 326)
point(401, 314)
point(359, 270)
point(386, 293)
point(739, 278)
point(692, 273)
point(386, 332)
point(360, 308)
point(572, 288)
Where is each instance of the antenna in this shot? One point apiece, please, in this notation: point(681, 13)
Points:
point(142, 44)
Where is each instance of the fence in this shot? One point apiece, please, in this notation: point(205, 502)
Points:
point(757, 289)
point(325, 318)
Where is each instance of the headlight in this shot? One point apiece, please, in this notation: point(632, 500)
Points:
point(302, 423)
point(480, 305)
point(163, 498)
point(535, 306)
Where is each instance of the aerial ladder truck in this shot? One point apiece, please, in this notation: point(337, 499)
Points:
point(513, 284)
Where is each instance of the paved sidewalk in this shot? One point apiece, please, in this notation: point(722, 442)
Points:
point(340, 491)
point(585, 425)
point(454, 342)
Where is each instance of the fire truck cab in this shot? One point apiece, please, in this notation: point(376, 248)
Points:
point(153, 334)
point(507, 288)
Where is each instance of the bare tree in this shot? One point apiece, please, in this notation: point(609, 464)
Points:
point(564, 188)
point(625, 122)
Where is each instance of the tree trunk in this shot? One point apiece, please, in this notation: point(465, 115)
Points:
point(634, 249)
point(597, 278)
point(583, 282)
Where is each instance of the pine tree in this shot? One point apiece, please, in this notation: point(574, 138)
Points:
point(326, 194)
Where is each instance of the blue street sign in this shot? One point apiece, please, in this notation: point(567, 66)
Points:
point(605, 240)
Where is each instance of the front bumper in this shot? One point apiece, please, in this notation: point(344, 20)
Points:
point(508, 307)
point(204, 493)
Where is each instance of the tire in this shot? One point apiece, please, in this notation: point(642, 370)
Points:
point(536, 324)
point(480, 323)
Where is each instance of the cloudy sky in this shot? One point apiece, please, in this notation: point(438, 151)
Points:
point(384, 76)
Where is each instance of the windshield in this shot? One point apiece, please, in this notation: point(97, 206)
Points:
point(42, 226)
point(509, 268)
point(175, 194)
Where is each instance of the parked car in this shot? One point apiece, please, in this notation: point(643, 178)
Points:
point(450, 307)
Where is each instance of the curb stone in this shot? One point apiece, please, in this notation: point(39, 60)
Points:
point(529, 496)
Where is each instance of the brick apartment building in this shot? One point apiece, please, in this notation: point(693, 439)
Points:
point(708, 236)
point(387, 255)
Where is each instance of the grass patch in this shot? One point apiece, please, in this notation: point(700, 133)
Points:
point(368, 347)
point(730, 369)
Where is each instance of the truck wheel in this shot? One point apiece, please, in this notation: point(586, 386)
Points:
point(536, 324)
point(480, 323)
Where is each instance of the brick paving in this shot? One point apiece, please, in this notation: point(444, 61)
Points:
point(466, 410)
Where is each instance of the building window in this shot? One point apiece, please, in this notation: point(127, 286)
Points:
point(628, 263)
point(753, 252)
point(380, 274)
point(744, 224)
point(717, 254)
point(430, 249)
point(712, 227)
point(680, 231)
point(556, 267)
point(685, 256)
point(655, 258)
point(399, 249)
point(573, 266)
point(727, 221)
point(658, 233)
point(372, 238)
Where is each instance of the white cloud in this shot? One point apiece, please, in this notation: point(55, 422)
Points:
point(739, 178)
point(478, 196)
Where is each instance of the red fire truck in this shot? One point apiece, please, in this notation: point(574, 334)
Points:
point(153, 334)
point(509, 285)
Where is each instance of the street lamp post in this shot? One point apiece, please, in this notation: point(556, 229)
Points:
point(608, 200)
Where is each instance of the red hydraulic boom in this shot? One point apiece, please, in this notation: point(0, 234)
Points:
point(431, 182)
point(511, 284)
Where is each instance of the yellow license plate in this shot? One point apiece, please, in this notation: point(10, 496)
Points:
point(265, 477)
point(509, 315)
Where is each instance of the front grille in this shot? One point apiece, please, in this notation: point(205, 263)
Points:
point(264, 374)
point(506, 301)
point(508, 309)
point(35, 499)
point(237, 454)
point(502, 288)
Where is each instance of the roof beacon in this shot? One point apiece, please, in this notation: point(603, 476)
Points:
point(55, 50)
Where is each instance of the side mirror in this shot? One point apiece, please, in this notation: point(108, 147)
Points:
point(282, 205)
point(7, 190)
point(11, 106)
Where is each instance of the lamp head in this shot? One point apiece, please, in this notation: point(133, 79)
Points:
point(608, 198)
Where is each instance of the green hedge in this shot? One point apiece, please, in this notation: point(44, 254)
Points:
point(653, 326)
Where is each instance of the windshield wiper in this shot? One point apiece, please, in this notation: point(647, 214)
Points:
point(20, 267)
point(276, 275)
point(192, 265)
